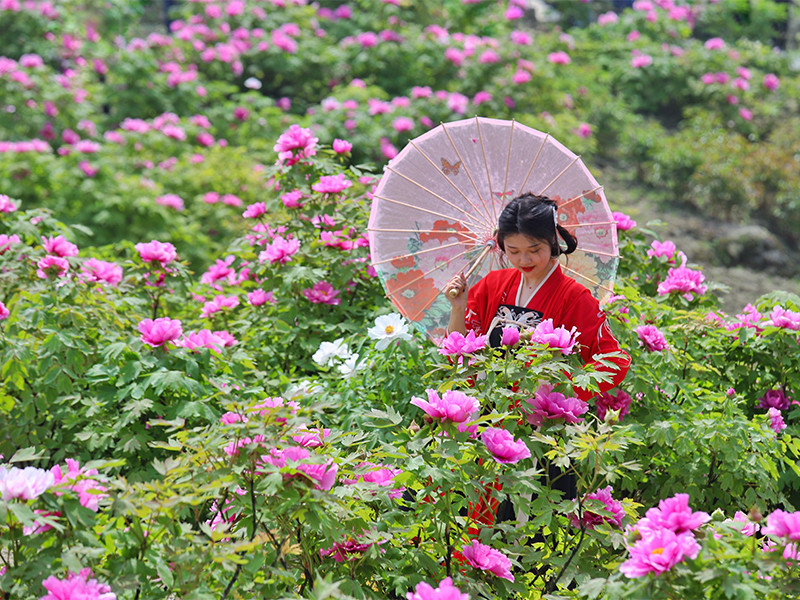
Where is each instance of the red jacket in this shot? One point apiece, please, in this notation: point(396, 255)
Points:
point(560, 298)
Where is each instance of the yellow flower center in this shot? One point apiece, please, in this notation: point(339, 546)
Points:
point(658, 551)
point(389, 329)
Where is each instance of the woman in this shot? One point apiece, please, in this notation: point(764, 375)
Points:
point(534, 288)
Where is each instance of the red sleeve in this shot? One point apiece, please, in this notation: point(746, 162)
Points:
point(477, 306)
point(596, 338)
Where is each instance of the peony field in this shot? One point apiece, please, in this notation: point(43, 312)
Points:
point(206, 392)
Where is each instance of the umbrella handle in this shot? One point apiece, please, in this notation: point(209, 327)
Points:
point(490, 245)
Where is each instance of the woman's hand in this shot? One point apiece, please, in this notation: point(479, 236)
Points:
point(456, 291)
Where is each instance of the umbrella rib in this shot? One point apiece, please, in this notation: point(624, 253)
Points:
point(422, 275)
point(432, 249)
point(579, 196)
point(488, 173)
point(570, 225)
point(475, 265)
point(467, 173)
point(464, 233)
point(598, 252)
point(435, 166)
point(533, 164)
point(582, 276)
point(576, 159)
point(432, 193)
point(432, 212)
point(508, 159)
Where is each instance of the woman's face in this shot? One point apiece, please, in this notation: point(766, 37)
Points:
point(531, 256)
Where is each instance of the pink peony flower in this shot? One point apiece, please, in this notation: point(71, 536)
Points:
point(453, 406)
point(714, 44)
point(342, 146)
point(487, 558)
point(623, 221)
point(280, 250)
point(25, 484)
point(557, 338)
point(76, 586)
point(255, 210)
point(52, 265)
point(332, 184)
point(445, 591)
point(607, 18)
point(158, 332)
point(781, 524)
point(401, 124)
point(662, 249)
point(550, 405)
point(380, 476)
point(503, 447)
point(217, 304)
point(749, 529)
point(652, 338)
point(584, 130)
point(259, 297)
point(591, 519)
point(659, 552)
point(78, 479)
point(776, 420)
point(559, 58)
point(606, 401)
point(322, 293)
point(292, 199)
point(100, 271)
point(510, 336)
point(201, 339)
point(295, 144)
point(673, 514)
point(642, 60)
point(155, 251)
point(59, 246)
point(775, 398)
point(456, 343)
point(771, 82)
point(323, 475)
point(6, 241)
point(170, 201)
point(6, 205)
point(779, 317)
point(4, 312)
point(310, 438)
point(684, 280)
point(351, 549)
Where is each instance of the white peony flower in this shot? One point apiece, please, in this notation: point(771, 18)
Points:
point(350, 365)
point(329, 351)
point(388, 328)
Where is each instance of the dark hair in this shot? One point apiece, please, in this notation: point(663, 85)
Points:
point(534, 216)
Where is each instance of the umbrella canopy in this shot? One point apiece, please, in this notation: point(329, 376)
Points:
point(434, 212)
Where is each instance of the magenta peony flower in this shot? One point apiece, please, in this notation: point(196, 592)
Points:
point(673, 514)
point(487, 558)
point(401, 124)
point(332, 184)
point(771, 82)
point(456, 343)
point(714, 44)
point(76, 586)
point(776, 420)
point(310, 438)
point(606, 401)
point(503, 447)
point(381, 476)
point(662, 249)
point(623, 221)
point(351, 549)
point(445, 591)
point(775, 398)
point(322, 293)
point(781, 524)
point(170, 201)
point(59, 246)
point(452, 406)
point(642, 60)
point(201, 339)
point(25, 484)
point(158, 332)
point(591, 519)
point(4, 312)
point(292, 199)
point(296, 143)
point(217, 304)
point(652, 338)
point(557, 338)
point(100, 271)
point(78, 479)
point(155, 251)
point(322, 474)
point(658, 552)
point(280, 250)
point(550, 405)
point(52, 265)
